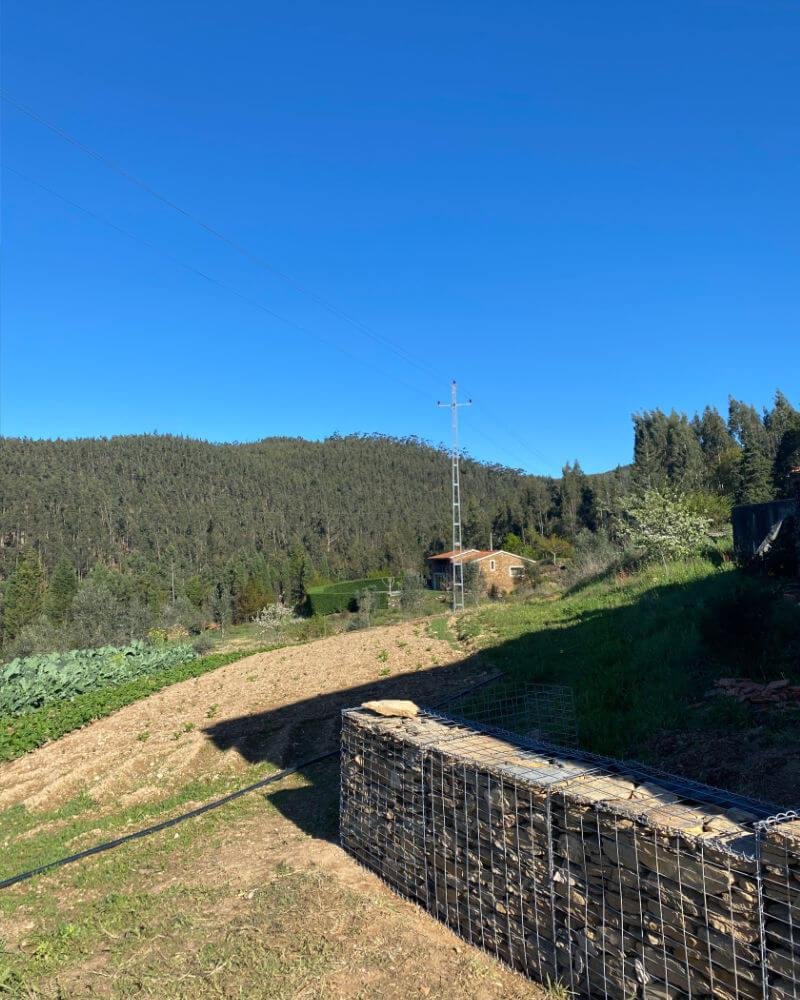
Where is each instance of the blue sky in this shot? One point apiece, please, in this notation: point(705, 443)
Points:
point(578, 210)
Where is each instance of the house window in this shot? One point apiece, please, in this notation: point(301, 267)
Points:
point(517, 572)
point(492, 565)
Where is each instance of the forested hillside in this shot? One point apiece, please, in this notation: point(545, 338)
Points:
point(111, 532)
point(347, 504)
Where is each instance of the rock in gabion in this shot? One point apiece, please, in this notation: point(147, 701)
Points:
point(780, 866)
point(614, 880)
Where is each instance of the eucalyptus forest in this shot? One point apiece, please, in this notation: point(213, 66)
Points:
point(102, 539)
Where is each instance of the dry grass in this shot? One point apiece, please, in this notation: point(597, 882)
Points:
point(242, 903)
point(254, 900)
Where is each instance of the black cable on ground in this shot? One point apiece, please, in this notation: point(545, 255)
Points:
point(165, 824)
point(200, 810)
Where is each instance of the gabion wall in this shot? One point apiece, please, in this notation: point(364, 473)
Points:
point(613, 879)
point(780, 868)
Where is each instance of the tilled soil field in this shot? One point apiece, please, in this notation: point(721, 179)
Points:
point(280, 706)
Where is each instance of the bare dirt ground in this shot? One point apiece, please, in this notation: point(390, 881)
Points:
point(255, 900)
point(280, 706)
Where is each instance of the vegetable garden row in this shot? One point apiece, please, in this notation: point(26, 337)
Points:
point(32, 682)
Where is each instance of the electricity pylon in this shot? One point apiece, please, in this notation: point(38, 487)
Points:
point(458, 565)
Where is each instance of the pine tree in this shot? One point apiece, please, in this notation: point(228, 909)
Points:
point(756, 467)
point(787, 459)
point(666, 451)
point(24, 594)
point(756, 476)
point(720, 452)
point(780, 419)
point(571, 496)
point(649, 448)
point(712, 433)
point(61, 591)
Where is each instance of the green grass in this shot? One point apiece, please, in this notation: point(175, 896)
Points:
point(106, 906)
point(439, 628)
point(637, 650)
point(335, 598)
point(21, 733)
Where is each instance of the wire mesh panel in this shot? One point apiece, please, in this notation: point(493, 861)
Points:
point(614, 879)
point(657, 893)
point(780, 867)
point(537, 711)
point(382, 817)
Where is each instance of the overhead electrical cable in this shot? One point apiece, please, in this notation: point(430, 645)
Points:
point(212, 230)
point(250, 255)
point(210, 278)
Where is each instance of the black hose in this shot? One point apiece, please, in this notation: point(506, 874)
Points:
point(214, 804)
point(165, 824)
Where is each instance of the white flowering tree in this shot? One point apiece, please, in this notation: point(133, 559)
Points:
point(272, 618)
point(663, 524)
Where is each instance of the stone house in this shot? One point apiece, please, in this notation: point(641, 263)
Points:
point(499, 570)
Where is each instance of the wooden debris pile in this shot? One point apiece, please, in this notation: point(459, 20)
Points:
point(771, 693)
point(573, 869)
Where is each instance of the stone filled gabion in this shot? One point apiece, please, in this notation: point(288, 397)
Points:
point(780, 874)
point(611, 879)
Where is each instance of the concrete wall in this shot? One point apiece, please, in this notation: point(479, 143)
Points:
point(618, 881)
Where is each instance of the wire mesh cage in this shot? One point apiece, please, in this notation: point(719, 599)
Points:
point(780, 871)
point(537, 711)
point(613, 879)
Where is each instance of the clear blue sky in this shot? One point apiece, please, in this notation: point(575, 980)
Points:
point(578, 209)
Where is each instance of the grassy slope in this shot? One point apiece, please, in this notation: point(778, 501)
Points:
point(633, 649)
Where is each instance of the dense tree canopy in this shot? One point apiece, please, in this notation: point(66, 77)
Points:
point(123, 528)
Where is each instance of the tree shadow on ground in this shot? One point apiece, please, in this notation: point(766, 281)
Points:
point(296, 732)
point(637, 671)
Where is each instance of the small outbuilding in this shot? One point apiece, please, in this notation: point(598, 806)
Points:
point(499, 570)
point(770, 532)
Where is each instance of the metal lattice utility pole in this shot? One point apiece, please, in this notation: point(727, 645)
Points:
point(458, 565)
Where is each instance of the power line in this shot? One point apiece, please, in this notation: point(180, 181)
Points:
point(243, 251)
point(211, 230)
point(208, 277)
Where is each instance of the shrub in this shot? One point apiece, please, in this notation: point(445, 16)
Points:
point(272, 618)
point(366, 605)
point(554, 548)
point(203, 644)
point(595, 555)
point(716, 508)
point(663, 525)
point(412, 592)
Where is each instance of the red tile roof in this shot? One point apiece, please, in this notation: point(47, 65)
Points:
point(471, 555)
point(467, 555)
